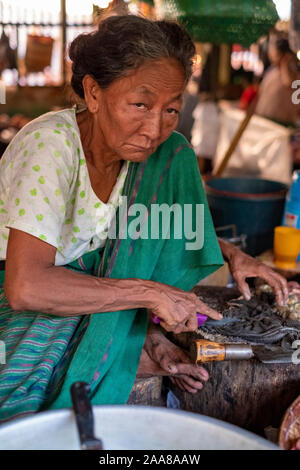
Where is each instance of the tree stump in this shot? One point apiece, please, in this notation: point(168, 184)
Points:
point(247, 393)
point(147, 391)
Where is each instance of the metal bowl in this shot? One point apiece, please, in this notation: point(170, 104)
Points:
point(130, 427)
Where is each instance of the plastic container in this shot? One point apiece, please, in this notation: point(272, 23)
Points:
point(254, 206)
point(291, 216)
point(286, 247)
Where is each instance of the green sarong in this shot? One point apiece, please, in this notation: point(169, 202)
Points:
point(46, 354)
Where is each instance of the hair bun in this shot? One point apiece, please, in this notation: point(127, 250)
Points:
point(77, 48)
point(122, 43)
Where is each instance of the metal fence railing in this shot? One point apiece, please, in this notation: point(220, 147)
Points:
point(33, 40)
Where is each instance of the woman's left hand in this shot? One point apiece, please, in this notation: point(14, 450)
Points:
point(243, 266)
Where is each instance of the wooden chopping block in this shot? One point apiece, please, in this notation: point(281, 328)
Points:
point(248, 393)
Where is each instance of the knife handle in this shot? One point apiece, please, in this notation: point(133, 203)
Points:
point(200, 319)
point(207, 351)
point(84, 416)
point(202, 350)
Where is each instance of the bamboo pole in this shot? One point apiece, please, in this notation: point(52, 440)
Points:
point(236, 139)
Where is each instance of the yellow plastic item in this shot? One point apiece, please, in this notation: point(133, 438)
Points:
point(286, 247)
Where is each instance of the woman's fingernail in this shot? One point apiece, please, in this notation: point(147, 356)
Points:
point(172, 368)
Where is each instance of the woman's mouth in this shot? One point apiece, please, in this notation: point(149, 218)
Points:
point(141, 149)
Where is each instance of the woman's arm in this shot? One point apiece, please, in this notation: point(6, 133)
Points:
point(243, 266)
point(33, 282)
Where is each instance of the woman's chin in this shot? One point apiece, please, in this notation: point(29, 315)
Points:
point(137, 155)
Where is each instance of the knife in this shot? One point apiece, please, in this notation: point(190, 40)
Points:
point(84, 417)
point(202, 351)
point(200, 319)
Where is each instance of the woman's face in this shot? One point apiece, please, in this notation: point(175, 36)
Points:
point(138, 112)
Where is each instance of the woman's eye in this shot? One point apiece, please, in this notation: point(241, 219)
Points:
point(140, 105)
point(172, 111)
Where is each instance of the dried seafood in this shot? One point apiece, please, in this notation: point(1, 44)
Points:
point(292, 310)
point(258, 321)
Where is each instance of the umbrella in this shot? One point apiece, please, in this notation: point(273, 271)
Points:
point(223, 21)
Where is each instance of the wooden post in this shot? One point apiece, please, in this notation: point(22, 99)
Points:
point(63, 21)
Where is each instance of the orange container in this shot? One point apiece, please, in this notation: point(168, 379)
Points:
point(286, 247)
point(38, 53)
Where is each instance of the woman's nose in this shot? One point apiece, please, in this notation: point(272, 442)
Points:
point(152, 126)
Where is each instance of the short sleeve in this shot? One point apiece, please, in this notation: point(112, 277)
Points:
point(40, 185)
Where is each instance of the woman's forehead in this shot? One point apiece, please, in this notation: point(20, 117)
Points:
point(153, 78)
point(147, 91)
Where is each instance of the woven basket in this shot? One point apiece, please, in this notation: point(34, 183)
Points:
point(38, 53)
point(219, 21)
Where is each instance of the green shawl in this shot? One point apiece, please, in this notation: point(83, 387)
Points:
point(108, 355)
point(46, 354)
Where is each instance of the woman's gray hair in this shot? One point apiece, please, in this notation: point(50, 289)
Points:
point(122, 43)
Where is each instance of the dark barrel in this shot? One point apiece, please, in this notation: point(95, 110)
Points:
point(254, 206)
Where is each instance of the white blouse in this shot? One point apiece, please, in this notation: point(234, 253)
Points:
point(45, 189)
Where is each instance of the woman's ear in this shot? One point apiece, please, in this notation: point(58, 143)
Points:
point(92, 93)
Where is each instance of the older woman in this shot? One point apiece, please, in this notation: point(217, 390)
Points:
point(61, 181)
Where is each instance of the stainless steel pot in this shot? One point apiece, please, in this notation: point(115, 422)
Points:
point(130, 427)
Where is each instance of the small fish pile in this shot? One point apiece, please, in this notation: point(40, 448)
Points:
point(292, 310)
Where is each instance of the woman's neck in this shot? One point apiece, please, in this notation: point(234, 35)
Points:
point(94, 146)
point(102, 166)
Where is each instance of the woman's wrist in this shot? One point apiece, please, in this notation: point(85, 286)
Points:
point(136, 293)
point(228, 250)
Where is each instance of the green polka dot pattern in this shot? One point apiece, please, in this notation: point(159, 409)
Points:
point(50, 195)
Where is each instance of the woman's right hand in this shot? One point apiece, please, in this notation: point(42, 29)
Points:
point(177, 309)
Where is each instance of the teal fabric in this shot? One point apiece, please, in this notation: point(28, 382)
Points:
point(170, 175)
point(104, 349)
point(39, 349)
